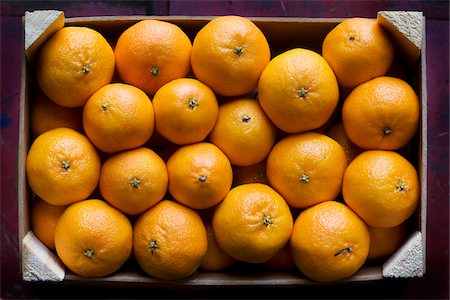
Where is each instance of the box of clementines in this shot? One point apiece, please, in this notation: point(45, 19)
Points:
point(41, 262)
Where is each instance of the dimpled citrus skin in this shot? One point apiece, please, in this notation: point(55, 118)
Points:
point(229, 54)
point(73, 64)
point(93, 239)
point(298, 90)
point(169, 240)
point(62, 166)
point(329, 242)
point(252, 223)
point(382, 187)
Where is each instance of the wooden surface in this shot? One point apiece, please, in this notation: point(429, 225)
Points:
point(435, 283)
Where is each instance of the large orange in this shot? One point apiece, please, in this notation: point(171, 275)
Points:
point(329, 242)
point(306, 168)
point(358, 49)
point(382, 113)
point(252, 223)
point(298, 90)
point(93, 239)
point(185, 111)
point(62, 166)
point(44, 218)
point(74, 63)
point(337, 132)
point(118, 117)
point(169, 241)
point(46, 115)
point(151, 53)
point(200, 175)
point(382, 187)
point(385, 241)
point(229, 54)
point(243, 132)
point(133, 180)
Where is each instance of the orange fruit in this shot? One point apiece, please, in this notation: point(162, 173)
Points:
point(169, 241)
point(337, 133)
point(252, 223)
point(298, 90)
point(283, 260)
point(250, 174)
point(243, 132)
point(215, 258)
point(385, 241)
point(62, 166)
point(46, 115)
point(93, 239)
point(229, 54)
point(382, 187)
point(74, 63)
point(118, 117)
point(329, 242)
point(200, 175)
point(44, 218)
point(185, 111)
point(382, 113)
point(306, 168)
point(151, 53)
point(358, 49)
point(134, 180)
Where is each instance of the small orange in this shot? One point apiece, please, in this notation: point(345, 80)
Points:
point(93, 239)
point(337, 133)
point(243, 132)
point(46, 115)
point(229, 54)
point(169, 241)
point(62, 166)
point(250, 174)
point(44, 218)
point(306, 168)
point(151, 53)
point(200, 175)
point(74, 63)
point(252, 223)
point(329, 242)
point(134, 180)
point(382, 113)
point(118, 117)
point(215, 258)
point(358, 49)
point(385, 241)
point(382, 187)
point(283, 260)
point(298, 90)
point(185, 111)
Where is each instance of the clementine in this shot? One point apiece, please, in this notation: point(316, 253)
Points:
point(385, 241)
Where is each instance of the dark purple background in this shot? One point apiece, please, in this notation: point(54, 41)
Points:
point(435, 283)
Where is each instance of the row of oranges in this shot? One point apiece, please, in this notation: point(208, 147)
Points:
point(248, 179)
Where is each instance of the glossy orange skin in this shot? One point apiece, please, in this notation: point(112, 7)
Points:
point(118, 117)
point(252, 223)
point(320, 236)
point(200, 175)
point(243, 132)
point(358, 49)
point(298, 90)
point(382, 187)
point(134, 180)
point(385, 241)
point(228, 54)
point(62, 166)
point(337, 132)
point(185, 111)
point(73, 64)
point(306, 168)
point(151, 53)
point(93, 239)
point(383, 103)
point(169, 241)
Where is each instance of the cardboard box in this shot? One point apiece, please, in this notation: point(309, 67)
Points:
point(407, 30)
